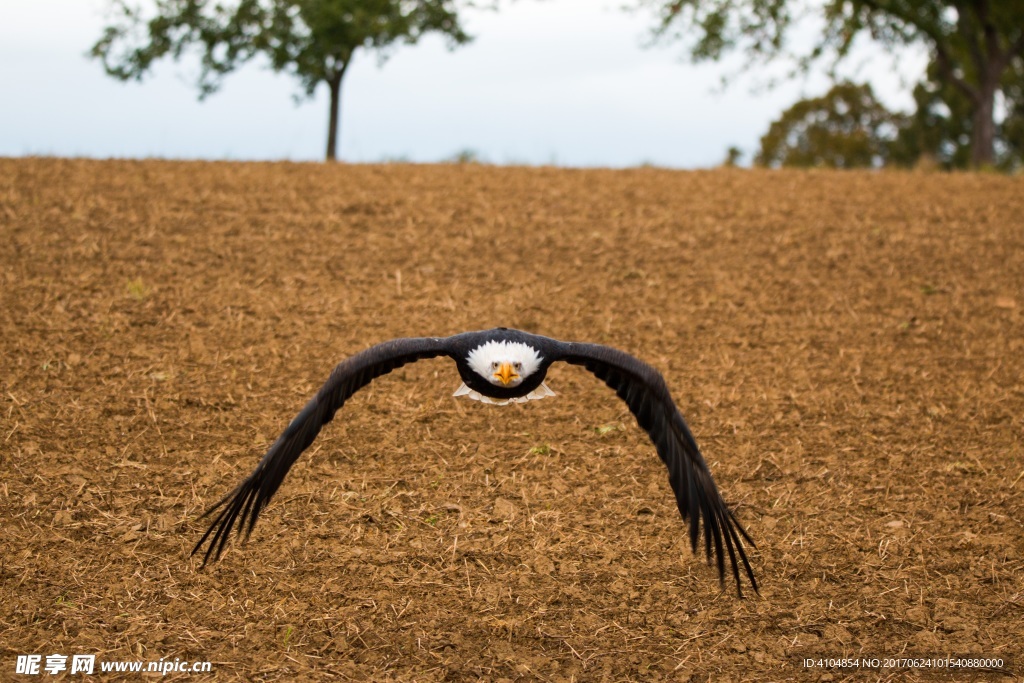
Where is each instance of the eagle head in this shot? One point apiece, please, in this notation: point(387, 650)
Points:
point(506, 365)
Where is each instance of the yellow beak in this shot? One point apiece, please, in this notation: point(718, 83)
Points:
point(506, 374)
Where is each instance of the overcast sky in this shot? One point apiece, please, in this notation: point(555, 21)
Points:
point(567, 82)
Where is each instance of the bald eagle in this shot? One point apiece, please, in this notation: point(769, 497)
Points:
point(502, 366)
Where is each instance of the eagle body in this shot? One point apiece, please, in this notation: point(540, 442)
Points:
point(477, 351)
point(501, 366)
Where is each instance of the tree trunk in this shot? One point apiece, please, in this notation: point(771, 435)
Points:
point(332, 124)
point(983, 125)
point(334, 120)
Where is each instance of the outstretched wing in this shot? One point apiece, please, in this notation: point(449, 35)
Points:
point(645, 392)
point(244, 504)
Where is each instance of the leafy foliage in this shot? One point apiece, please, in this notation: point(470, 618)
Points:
point(713, 27)
point(941, 127)
point(313, 40)
point(733, 155)
point(973, 42)
point(846, 128)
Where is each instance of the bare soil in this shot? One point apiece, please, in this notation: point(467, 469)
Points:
point(847, 347)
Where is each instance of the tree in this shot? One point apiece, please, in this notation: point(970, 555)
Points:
point(972, 42)
point(849, 128)
point(1013, 126)
point(314, 40)
point(846, 128)
point(942, 125)
point(733, 155)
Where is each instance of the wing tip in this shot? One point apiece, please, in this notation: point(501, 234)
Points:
point(721, 528)
point(239, 511)
point(734, 530)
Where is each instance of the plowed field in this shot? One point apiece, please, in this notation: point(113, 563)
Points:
point(847, 347)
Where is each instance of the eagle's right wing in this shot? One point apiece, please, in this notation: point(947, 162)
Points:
point(645, 392)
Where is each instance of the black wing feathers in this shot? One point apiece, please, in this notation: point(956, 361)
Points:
point(244, 505)
point(645, 392)
point(639, 385)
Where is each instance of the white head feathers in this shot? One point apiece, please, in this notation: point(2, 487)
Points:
point(485, 359)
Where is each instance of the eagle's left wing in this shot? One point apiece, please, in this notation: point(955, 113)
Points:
point(645, 392)
point(244, 504)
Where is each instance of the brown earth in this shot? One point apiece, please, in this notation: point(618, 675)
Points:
point(848, 348)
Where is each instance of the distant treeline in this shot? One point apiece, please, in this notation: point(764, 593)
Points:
point(969, 103)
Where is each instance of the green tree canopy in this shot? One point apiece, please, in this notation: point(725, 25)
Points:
point(846, 128)
point(972, 42)
point(313, 40)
